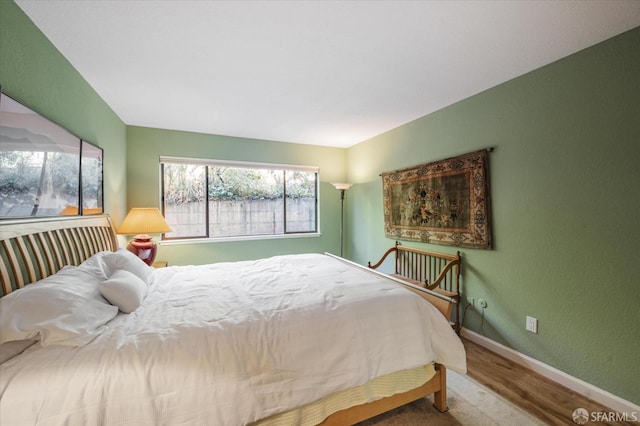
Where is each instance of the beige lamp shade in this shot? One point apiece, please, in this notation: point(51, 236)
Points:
point(144, 221)
point(342, 185)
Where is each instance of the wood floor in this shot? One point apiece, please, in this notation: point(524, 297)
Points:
point(550, 402)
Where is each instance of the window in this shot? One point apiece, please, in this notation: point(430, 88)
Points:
point(218, 199)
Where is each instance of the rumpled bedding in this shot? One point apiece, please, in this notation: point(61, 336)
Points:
point(229, 344)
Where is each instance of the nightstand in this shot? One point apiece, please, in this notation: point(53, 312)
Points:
point(160, 264)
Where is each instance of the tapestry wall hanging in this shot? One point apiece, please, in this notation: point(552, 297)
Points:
point(445, 202)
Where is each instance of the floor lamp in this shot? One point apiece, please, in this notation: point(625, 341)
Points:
point(342, 187)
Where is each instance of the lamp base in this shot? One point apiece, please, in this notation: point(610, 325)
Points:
point(144, 247)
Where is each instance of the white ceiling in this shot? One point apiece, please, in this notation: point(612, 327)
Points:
point(316, 72)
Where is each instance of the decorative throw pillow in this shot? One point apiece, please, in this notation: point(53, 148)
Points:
point(124, 290)
point(124, 259)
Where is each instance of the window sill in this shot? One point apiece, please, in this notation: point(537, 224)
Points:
point(231, 239)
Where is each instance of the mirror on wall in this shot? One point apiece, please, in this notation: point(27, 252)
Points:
point(44, 169)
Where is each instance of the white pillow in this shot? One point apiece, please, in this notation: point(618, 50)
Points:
point(96, 265)
point(124, 259)
point(78, 281)
point(124, 290)
point(54, 313)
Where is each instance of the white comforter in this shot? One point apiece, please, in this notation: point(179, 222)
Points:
point(230, 343)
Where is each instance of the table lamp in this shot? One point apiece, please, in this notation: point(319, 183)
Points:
point(141, 222)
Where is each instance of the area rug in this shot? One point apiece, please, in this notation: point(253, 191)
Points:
point(469, 403)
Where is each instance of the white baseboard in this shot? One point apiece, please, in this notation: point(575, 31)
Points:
point(580, 386)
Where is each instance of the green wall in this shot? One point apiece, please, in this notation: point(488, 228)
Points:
point(34, 72)
point(146, 145)
point(565, 182)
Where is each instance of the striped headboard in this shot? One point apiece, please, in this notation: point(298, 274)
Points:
point(32, 250)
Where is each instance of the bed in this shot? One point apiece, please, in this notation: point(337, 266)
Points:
point(255, 342)
point(438, 272)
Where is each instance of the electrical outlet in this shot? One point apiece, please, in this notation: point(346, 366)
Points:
point(482, 303)
point(532, 324)
point(471, 301)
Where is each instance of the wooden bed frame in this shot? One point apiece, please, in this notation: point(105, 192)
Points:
point(30, 251)
point(438, 272)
